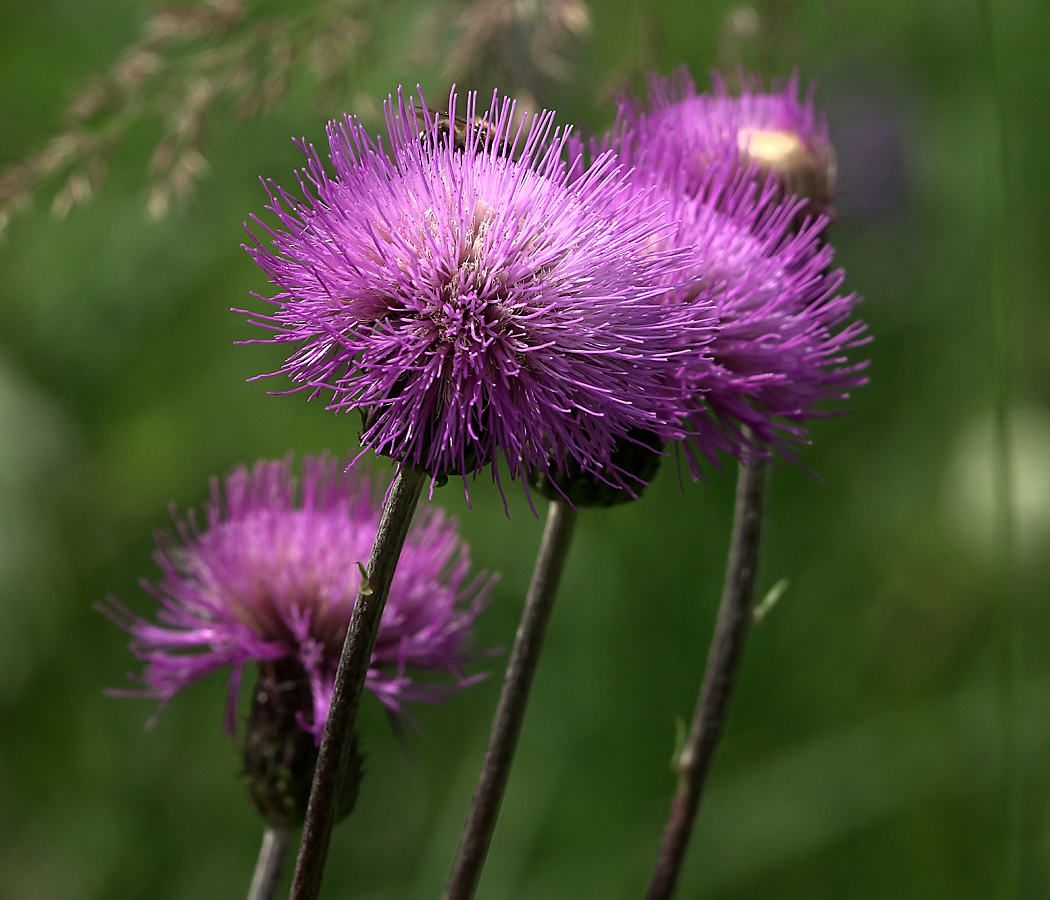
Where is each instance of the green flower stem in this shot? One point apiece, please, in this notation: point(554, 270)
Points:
point(337, 740)
point(273, 854)
point(735, 616)
point(506, 726)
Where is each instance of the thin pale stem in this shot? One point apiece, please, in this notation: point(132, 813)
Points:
point(735, 615)
point(337, 739)
point(506, 726)
point(273, 854)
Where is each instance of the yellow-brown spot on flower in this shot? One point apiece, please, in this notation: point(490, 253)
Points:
point(800, 170)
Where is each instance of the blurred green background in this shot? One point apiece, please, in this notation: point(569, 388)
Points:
point(863, 756)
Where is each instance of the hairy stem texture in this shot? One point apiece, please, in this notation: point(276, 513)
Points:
point(723, 663)
point(506, 726)
point(337, 740)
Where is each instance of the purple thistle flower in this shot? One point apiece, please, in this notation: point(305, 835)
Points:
point(685, 134)
point(472, 299)
point(784, 330)
point(274, 578)
point(783, 334)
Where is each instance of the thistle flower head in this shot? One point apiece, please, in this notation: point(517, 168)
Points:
point(273, 577)
point(684, 134)
point(472, 299)
point(784, 331)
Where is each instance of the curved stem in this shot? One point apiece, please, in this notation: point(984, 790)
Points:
point(506, 726)
point(273, 854)
point(337, 739)
point(735, 615)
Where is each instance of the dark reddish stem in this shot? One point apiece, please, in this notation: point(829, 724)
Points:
point(506, 726)
point(337, 741)
point(723, 663)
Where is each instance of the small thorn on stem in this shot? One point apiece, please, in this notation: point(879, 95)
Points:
point(366, 583)
point(769, 601)
point(337, 740)
point(735, 618)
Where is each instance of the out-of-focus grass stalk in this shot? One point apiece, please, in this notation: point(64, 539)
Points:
point(1002, 321)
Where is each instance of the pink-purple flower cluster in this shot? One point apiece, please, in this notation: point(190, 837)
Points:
point(473, 300)
point(273, 575)
point(488, 288)
point(756, 249)
point(687, 136)
point(475, 295)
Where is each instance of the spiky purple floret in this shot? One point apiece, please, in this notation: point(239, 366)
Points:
point(681, 134)
point(783, 332)
point(272, 576)
point(476, 301)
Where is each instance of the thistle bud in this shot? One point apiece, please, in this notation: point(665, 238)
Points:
point(271, 581)
point(687, 136)
point(280, 755)
point(801, 170)
point(634, 463)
